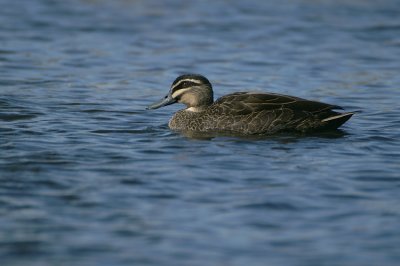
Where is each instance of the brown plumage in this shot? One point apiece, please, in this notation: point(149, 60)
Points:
point(245, 113)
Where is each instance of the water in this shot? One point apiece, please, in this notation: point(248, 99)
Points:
point(88, 177)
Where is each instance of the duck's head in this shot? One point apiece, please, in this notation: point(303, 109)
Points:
point(195, 91)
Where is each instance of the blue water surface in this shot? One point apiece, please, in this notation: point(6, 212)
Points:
point(89, 177)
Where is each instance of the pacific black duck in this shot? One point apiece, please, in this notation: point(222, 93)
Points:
point(245, 113)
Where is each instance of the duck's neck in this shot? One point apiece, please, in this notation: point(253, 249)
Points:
point(195, 109)
point(196, 98)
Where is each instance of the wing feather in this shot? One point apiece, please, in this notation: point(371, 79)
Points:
point(242, 103)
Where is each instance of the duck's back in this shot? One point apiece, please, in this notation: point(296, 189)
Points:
point(260, 113)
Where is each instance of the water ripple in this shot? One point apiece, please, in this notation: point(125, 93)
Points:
point(87, 175)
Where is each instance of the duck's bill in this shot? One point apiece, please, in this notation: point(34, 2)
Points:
point(167, 100)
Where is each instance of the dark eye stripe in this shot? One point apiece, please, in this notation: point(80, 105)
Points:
point(184, 84)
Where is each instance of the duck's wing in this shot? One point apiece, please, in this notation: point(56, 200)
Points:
point(242, 103)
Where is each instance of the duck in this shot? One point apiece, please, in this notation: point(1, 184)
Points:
point(245, 113)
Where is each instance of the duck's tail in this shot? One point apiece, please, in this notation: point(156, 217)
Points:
point(333, 122)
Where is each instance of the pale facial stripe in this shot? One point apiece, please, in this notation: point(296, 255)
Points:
point(179, 92)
